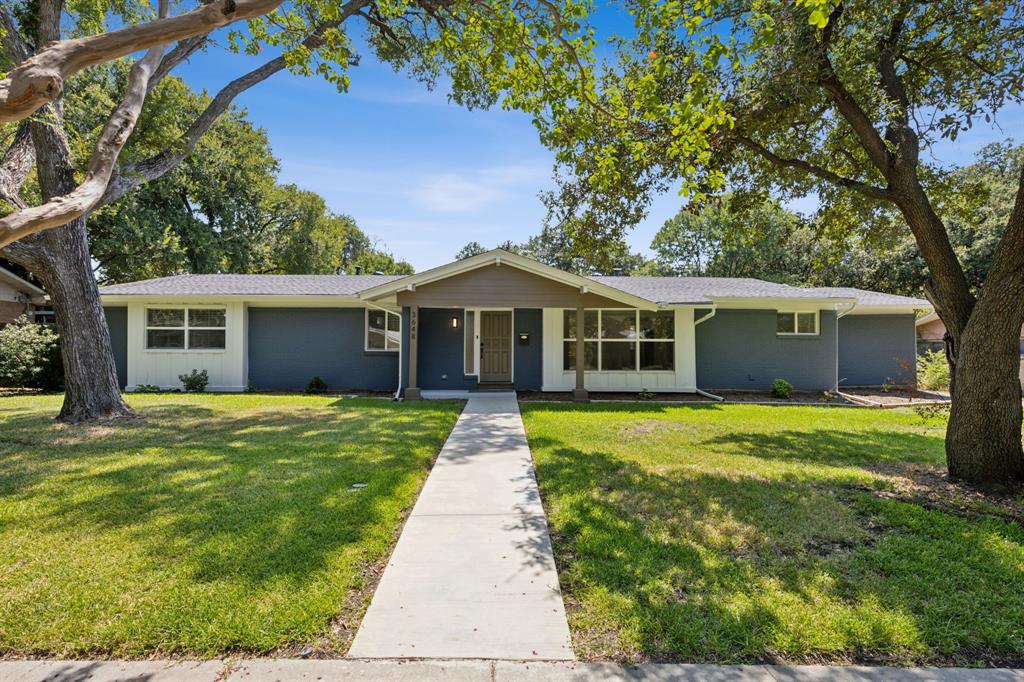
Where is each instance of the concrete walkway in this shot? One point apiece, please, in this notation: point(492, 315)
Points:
point(293, 670)
point(472, 575)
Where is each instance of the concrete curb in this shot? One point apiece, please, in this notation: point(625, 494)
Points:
point(389, 670)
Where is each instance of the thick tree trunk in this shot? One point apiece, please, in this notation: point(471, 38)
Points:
point(983, 438)
point(91, 389)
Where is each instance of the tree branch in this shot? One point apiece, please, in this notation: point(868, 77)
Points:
point(40, 78)
point(872, 191)
point(845, 102)
point(156, 166)
point(15, 47)
point(61, 210)
point(15, 166)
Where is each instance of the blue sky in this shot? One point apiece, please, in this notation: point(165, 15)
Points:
point(420, 175)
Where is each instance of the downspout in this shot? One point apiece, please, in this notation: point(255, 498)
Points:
point(696, 322)
point(398, 391)
point(839, 316)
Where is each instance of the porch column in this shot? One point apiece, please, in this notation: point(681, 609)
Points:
point(412, 391)
point(580, 395)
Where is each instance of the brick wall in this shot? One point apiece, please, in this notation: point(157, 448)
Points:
point(10, 310)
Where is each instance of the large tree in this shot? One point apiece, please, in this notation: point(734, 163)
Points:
point(522, 53)
point(842, 101)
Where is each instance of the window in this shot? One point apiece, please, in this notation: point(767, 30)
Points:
point(796, 324)
point(181, 328)
point(383, 330)
point(621, 340)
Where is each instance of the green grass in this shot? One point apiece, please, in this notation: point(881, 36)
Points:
point(218, 523)
point(748, 533)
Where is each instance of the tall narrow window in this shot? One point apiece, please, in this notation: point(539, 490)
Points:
point(383, 330)
point(469, 343)
point(590, 318)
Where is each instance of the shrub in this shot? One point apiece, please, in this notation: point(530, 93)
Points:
point(645, 394)
point(30, 356)
point(781, 389)
point(316, 385)
point(195, 381)
point(147, 388)
point(932, 370)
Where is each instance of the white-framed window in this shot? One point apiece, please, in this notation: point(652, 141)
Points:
point(791, 323)
point(383, 330)
point(621, 340)
point(202, 328)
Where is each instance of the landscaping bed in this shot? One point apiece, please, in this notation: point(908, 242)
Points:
point(744, 533)
point(215, 524)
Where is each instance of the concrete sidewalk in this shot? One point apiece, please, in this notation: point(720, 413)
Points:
point(472, 575)
point(289, 670)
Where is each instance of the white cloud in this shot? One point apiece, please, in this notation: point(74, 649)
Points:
point(474, 191)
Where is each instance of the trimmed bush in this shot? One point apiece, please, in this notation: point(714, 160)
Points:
point(195, 381)
point(781, 389)
point(316, 385)
point(932, 370)
point(30, 356)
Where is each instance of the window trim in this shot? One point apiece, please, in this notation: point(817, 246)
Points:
point(637, 340)
point(186, 328)
point(796, 322)
point(366, 331)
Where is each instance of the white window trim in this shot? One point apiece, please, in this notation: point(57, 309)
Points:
point(796, 322)
point(186, 328)
point(366, 331)
point(637, 340)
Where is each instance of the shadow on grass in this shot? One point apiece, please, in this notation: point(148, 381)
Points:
point(699, 565)
point(255, 497)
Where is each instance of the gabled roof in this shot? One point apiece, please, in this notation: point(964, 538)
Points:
point(506, 258)
point(250, 285)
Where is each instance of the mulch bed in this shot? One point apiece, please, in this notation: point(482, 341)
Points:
point(896, 397)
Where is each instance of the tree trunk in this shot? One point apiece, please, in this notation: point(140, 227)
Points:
point(91, 389)
point(983, 438)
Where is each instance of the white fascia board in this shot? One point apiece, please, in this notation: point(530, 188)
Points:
point(262, 301)
point(886, 310)
point(19, 283)
point(777, 303)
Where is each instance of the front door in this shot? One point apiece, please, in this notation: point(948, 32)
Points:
point(496, 347)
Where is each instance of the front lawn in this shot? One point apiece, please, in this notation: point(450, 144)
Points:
point(218, 523)
point(745, 533)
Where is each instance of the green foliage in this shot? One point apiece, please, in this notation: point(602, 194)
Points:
point(29, 356)
point(932, 371)
point(781, 389)
point(700, 89)
point(471, 249)
point(147, 388)
point(195, 381)
point(316, 385)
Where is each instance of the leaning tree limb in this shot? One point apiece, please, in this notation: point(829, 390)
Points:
point(15, 165)
point(39, 79)
point(62, 209)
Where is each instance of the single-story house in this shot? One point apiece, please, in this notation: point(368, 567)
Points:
point(501, 320)
point(931, 330)
point(19, 297)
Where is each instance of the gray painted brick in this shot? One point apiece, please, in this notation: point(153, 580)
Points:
point(289, 346)
point(739, 349)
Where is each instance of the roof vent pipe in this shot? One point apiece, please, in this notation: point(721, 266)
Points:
point(616, 272)
point(359, 269)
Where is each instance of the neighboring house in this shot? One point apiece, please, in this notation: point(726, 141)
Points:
point(930, 331)
point(498, 319)
point(18, 297)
